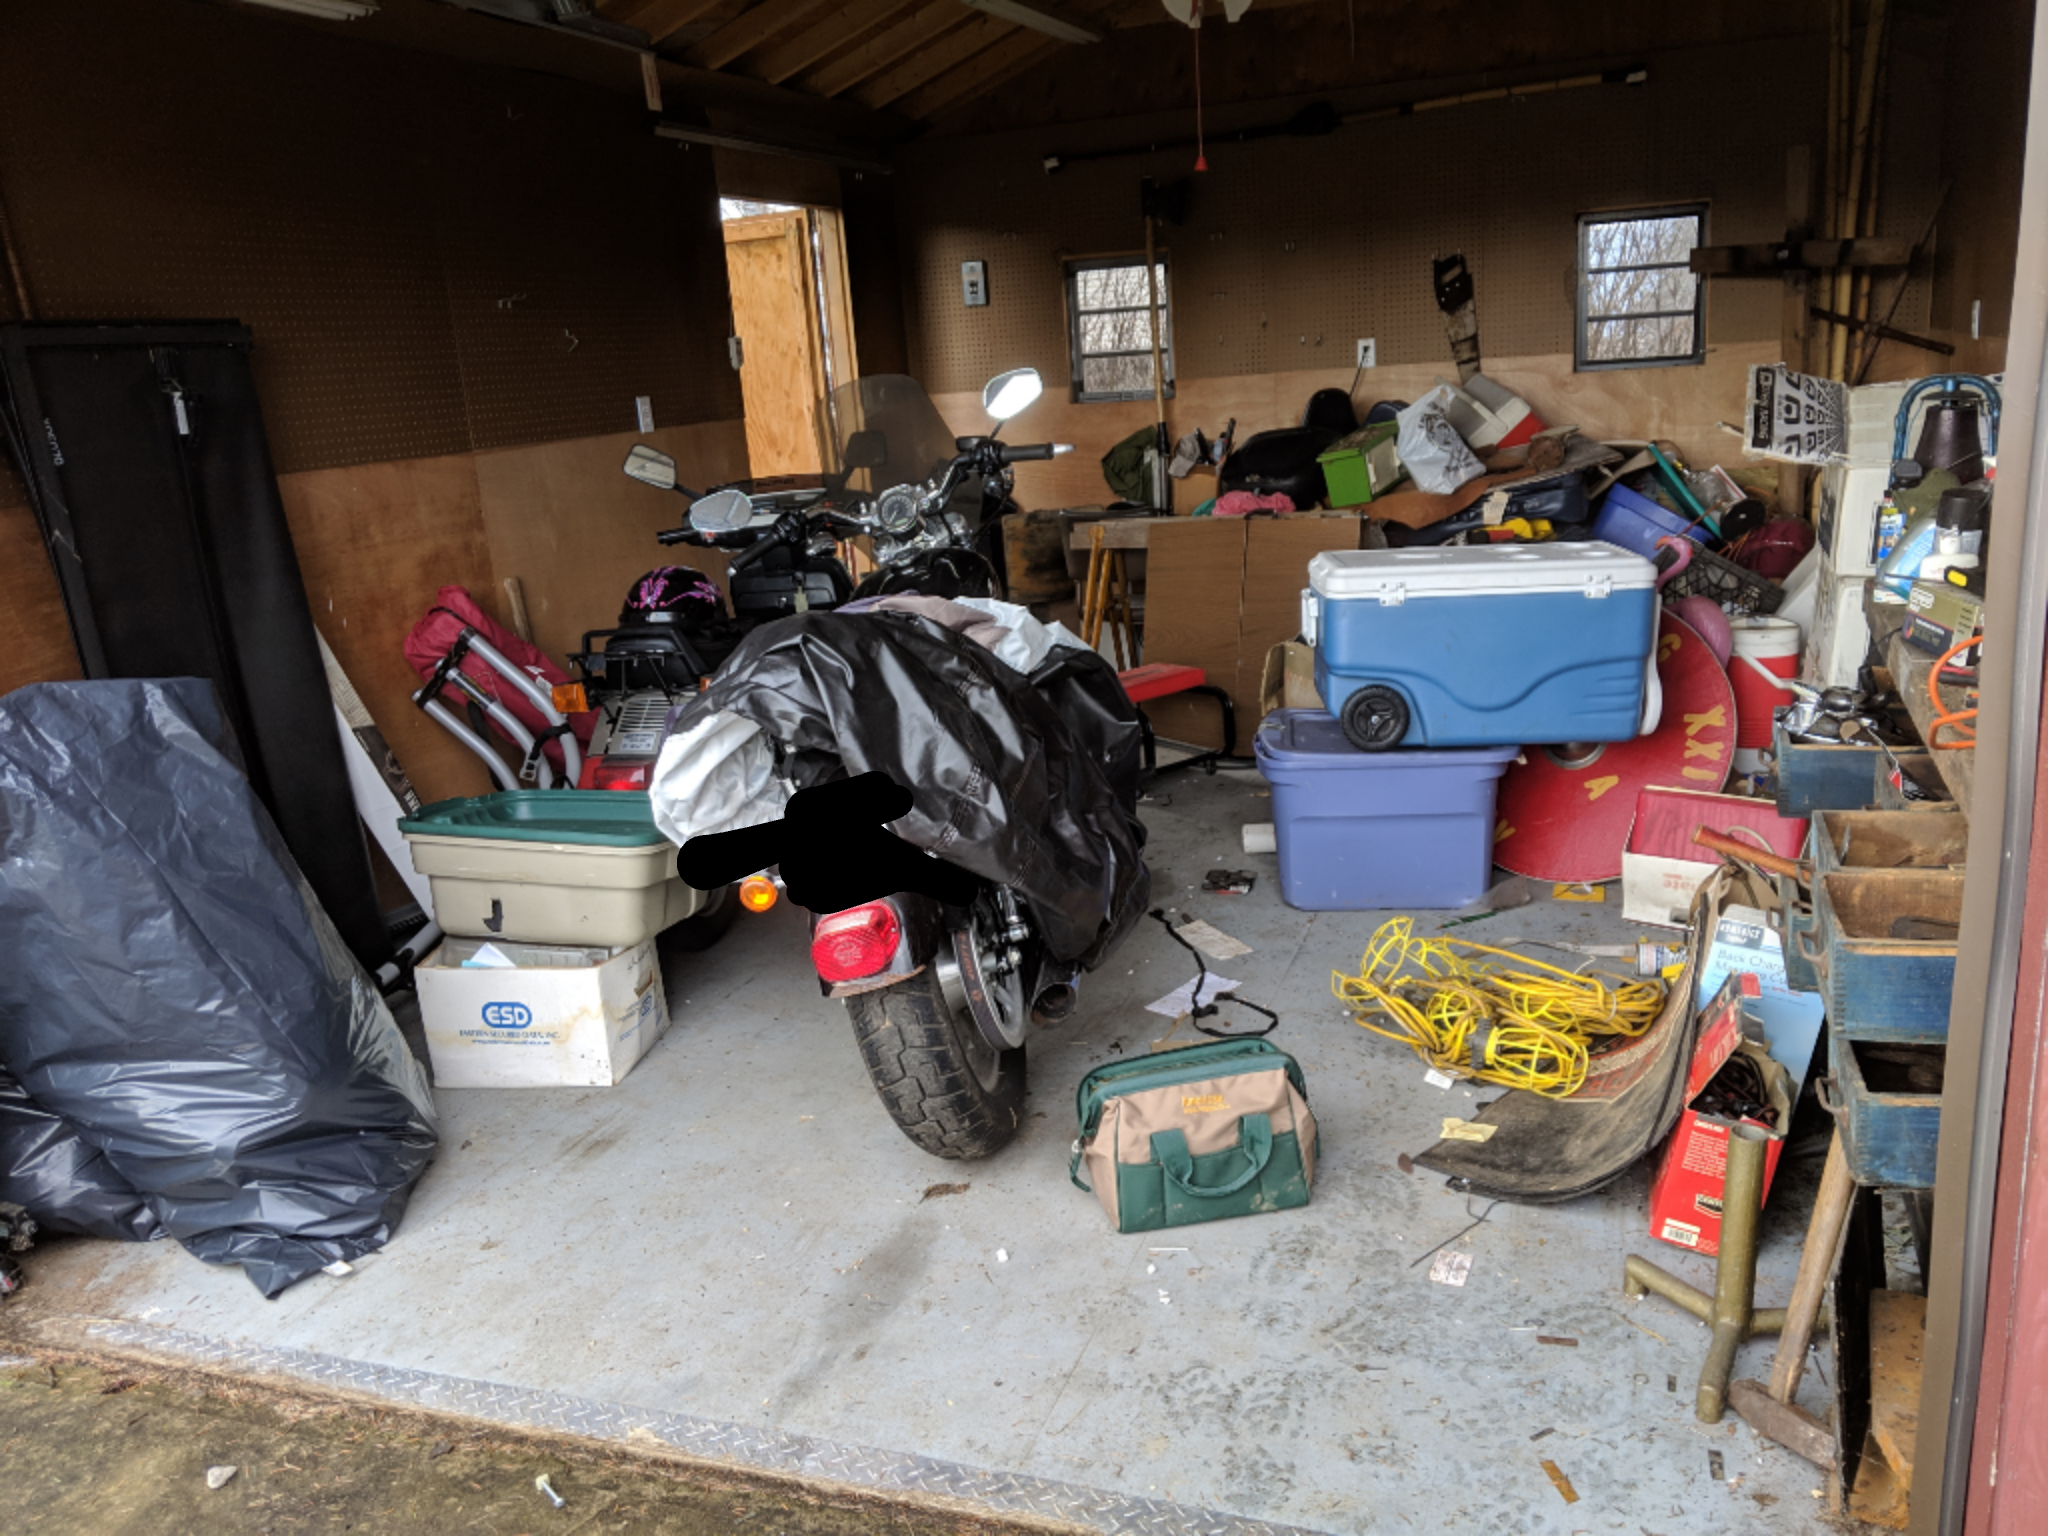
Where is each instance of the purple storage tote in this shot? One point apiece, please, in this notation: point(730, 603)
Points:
point(1367, 831)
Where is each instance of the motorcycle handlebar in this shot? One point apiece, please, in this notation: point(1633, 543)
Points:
point(748, 556)
point(681, 536)
point(1018, 453)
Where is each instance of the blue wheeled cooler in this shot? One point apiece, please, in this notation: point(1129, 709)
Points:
point(1486, 645)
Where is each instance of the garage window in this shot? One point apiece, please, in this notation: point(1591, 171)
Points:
point(1108, 321)
point(1640, 306)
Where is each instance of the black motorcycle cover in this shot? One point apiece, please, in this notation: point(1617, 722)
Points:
point(175, 993)
point(1031, 782)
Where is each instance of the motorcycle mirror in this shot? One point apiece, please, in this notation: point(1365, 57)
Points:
point(1007, 394)
point(721, 512)
point(650, 466)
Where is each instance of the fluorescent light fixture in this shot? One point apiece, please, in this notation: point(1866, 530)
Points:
point(325, 10)
point(1037, 21)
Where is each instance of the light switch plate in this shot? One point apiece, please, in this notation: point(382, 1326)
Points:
point(1368, 352)
point(974, 284)
point(735, 351)
point(643, 407)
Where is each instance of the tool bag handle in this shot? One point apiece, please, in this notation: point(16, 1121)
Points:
point(1254, 1140)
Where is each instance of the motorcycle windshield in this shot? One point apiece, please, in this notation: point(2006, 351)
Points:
point(885, 431)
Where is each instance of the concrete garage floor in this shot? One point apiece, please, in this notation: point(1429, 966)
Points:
point(735, 1254)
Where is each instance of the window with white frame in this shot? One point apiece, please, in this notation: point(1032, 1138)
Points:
point(1109, 314)
point(1640, 306)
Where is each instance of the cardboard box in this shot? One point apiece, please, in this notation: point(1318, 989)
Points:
point(1685, 1192)
point(1221, 592)
point(1746, 941)
point(557, 1016)
point(1661, 866)
point(1288, 680)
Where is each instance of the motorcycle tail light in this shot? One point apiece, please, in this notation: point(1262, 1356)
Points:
point(856, 943)
point(599, 774)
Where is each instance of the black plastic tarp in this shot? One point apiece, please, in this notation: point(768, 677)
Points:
point(1031, 782)
point(174, 992)
point(47, 1168)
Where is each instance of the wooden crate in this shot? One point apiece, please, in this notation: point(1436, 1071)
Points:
point(1878, 987)
point(1887, 1097)
point(1911, 839)
point(1813, 777)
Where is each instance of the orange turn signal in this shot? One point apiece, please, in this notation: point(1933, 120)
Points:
point(757, 893)
point(570, 699)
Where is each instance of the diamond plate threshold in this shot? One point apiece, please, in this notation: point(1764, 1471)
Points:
point(896, 1474)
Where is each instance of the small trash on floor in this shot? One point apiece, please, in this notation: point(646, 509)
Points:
point(1716, 1468)
point(1259, 837)
point(1562, 1483)
point(1572, 890)
point(1456, 1129)
point(1451, 1268)
point(1230, 882)
point(937, 1191)
point(1182, 999)
point(1553, 1338)
point(1213, 942)
point(440, 1448)
point(218, 1478)
point(548, 1488)
point(1541, 1433)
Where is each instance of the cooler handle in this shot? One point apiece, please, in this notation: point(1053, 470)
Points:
point(1311, 612)
point(1653, 685)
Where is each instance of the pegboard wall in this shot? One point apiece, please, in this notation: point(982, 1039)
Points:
point(1294, 248)
point(434, 257)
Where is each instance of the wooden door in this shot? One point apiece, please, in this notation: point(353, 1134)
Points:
point(775, 314)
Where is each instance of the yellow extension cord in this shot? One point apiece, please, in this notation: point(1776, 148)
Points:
point(1475, 1011)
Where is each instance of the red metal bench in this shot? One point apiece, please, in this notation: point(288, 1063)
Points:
point(1163, 679)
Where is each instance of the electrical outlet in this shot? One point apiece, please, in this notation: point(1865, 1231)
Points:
point(1368, 352)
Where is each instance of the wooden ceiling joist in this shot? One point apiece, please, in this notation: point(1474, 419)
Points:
point(661, 18)
point(749, 30)
point(924, 25)
point(1010, 56)
point(949, 52)
point(826, 35)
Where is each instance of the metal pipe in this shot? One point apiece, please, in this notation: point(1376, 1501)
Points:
point(510, 724)
point(459, 729)
point(541, 698)
point(1742, 1192)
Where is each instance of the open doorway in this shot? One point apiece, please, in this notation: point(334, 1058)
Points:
point(787, 269)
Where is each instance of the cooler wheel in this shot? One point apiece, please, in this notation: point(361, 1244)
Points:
point(1375, 718)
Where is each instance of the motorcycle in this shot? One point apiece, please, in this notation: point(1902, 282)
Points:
point(942, 987)
point(930, 505)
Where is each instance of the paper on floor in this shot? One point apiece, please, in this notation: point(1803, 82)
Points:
point(1213, 942)
point(1182, 998)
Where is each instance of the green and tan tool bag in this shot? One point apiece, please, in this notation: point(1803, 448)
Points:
point(1214, 1130)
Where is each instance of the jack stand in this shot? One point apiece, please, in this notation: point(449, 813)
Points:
point(1731, 1310)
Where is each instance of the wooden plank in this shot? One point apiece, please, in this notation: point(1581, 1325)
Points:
point(931, 63)
point(1779, 257)
point(1898, 1324)
point(1911, 669)
point(35, 637)
point(921, 26)
point(1018, 51)
point(1118, 532)
point(826, 35)
point(749, 30)
point(662, 18)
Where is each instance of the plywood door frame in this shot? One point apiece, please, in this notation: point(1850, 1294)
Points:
point(795, 228)
point(835, 294)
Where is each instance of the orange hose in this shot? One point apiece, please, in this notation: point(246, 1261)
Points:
point(1942, 714)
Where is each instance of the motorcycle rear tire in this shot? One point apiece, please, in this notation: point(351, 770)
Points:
point(946, 1090)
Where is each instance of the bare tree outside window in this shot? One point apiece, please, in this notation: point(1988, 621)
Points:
point(1639, 304)
point(1108, 321)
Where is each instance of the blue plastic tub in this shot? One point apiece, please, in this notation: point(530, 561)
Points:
point(1635, 523)
point(1484, 646)
point(1370, 831)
